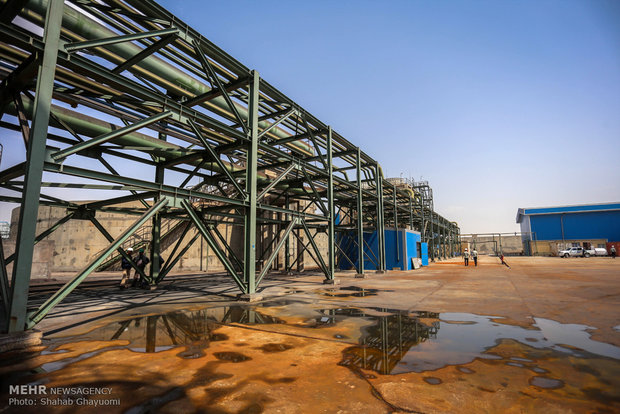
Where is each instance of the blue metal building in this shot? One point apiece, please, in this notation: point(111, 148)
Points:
point(578, 222)
point(401, 246)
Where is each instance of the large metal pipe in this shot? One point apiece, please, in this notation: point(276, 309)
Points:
point(79, 27)
point(92, 127)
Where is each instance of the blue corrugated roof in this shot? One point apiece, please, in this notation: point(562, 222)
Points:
point(566, 209)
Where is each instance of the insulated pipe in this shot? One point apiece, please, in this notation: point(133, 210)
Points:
point(79, 26)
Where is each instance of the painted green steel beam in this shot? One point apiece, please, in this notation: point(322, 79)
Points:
point(35, 155)
point(360, 215)
point(110, 136)
point(276, 251)
point(214, 93)
point(320, 262)
point(169, 266)
point(145, 185)
point(75, 46)
point(120, 250)
point(227, 247)
point(206, 66)
point(287, 243)
point(275, 181)
point(320, 203)
point(380, 219)
point(158, 70)
point(172, 260)
point(163, 42)
point(212, 243)
point(155, 252)
point(4, 284)
point(216, 158)
point(36, 316)
point(331, 251)
point(277, 122)
point(95, 205)
point(45, 233)
point(12, 172)
point(249, 273)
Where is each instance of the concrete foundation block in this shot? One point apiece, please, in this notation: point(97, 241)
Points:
point(381, 271)
point(361, 276)
point(331, 281)
point(20, 340)
point(250, 297)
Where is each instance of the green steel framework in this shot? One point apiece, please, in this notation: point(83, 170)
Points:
point(81, 78)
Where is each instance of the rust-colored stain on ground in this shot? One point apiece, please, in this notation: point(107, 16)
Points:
point(308, 352)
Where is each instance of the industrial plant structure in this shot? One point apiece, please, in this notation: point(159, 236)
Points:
point(121, 99)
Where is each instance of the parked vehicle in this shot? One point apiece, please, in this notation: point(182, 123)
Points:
point(581, 252)
point(572, 252)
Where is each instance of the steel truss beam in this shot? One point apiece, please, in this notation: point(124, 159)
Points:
point(185, 132)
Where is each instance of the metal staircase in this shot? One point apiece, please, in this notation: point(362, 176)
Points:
point(171, 229)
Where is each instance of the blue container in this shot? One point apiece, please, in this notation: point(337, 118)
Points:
point(400, 247)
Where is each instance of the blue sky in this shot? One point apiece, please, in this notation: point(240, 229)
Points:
point(498, 104)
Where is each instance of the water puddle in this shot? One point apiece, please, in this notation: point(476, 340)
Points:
point(380, 342)
point(547, 383)
point(389, 341)
point(432, 380)
point(420, 341)
point(352, 291)
point(194, 330)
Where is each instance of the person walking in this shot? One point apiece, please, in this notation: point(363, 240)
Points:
point(126, 267)
point(141, 262)
point(613, 251)
point(466, 257)
point(474, 255)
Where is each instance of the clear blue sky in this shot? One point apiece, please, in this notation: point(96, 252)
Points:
point(498, 104)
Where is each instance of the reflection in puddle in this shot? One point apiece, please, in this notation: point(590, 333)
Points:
point(194, 330)
point(382, 341)
point(359, 292)
point(400, 342)
point(391, 342)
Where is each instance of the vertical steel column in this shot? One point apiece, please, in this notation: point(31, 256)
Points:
point(151, 334)
point(4, 285)
point(156, 230)
point(432, 238)
point(440, 230)
point(249, 255)
point(396, 222)
point(24, 247)
point(331, 248)
point(423, 229)
point(360, 215)
point(287, 244)
point(380, 223)
point(445, 241)
point(453, 252)
point(411, 213)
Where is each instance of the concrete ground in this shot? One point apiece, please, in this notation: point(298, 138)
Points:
point(540, 335)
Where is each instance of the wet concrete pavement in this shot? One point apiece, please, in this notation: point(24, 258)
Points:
point(542, 335)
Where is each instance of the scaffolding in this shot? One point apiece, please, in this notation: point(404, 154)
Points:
point(123, 97)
